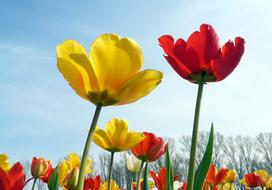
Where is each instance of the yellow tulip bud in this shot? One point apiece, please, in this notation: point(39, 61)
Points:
point(73, 179)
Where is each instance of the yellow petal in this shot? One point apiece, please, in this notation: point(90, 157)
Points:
point(74, 160)
point(117, 130)
point(133, 138)
point(64, 170)
point(101, 139)
point(4, 163)
point(88, 168)
point(114, 60)
point(74, 53)
point(139, 86)
point(76, 76)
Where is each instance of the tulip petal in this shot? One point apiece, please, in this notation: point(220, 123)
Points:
point(115, 60)
point(139, 86)
point(76, 76)
point(231, 55)
point(117, 130)
point(102, 139)
point(4, 181)
point(206, 44)
point(16, 176)
point(167, 43)
point(73, 52)
point(132, 139)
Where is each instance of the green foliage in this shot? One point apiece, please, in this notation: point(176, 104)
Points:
point(169, 171)
point(204, 165)
point(53, 183)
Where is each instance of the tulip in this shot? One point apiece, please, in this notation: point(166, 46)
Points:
point(269, 183)
point(230, 177)
point(252, 180)
point(215, 177)
point(40, 167)
point(117, 137)
point(113, 186)
point(66, 166)
point(201, 60)
point(72, 180)
point(160, 178)
point(110, 75)
point(133, 163)
point(264, 176)
point(4, 163)
point(148, 150)
point(92, 184)
point(14, 179)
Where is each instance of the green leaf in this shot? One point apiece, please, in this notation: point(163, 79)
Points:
point(204, 165)
point(53, 183)
point(146, 181)
point(169, 171)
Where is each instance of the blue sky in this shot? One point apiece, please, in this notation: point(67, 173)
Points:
point(40, 114)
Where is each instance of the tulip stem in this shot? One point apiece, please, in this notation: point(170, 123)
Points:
point(33, 186)
point(87, 147)
point(191, 172)
point(132, 180)
point(27, 181)
point(110, 170)
point(139, 176)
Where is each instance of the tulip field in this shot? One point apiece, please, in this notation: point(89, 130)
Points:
point(111, 73)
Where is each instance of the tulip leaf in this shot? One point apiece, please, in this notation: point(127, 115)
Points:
point(204, 165)
point(146, 181)
point(169, 171)
point(53, 183)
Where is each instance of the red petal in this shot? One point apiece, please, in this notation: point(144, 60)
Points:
point(4, 181)
point(17, 177)
point(178, 67)
point(205, 43)
point(156, 179)
point(231, 56)
point(167, 43)
point(162, 178)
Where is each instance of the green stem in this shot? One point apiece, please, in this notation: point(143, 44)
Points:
point(33, 186)
point(87, 147)
point(139, 176)
point(110, 170)
point(146, 181)
point(191, 172)
point(132, 180)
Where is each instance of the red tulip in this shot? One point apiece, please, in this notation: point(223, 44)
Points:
point(92, 184)
point(41, 168)
point(150, 149)
point(160, 179)
point(201, 59)
point(253, 180)
point(14, 179)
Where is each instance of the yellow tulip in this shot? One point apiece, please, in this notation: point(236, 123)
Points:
point(71, 162)
point(4, 163)
point(117, 137)
point(230, 177)
point(113, 186)
point(110, 74)
point(264, 176)
point(269, 183)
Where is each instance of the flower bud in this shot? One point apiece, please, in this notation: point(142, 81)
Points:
point(133, 163)
point(73, 179)
point(40, 167)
